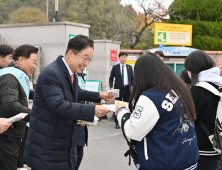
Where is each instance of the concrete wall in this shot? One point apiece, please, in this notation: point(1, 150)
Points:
point(99, 69)
point(51, 37)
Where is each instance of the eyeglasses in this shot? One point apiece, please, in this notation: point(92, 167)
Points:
point(85, 60)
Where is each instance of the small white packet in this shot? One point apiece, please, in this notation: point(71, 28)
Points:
point(94, 123)
point(114, 92)
point(111, 107)
point(16, 118)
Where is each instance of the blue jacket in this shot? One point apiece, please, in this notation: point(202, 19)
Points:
point(49, 140)
point(166, 140)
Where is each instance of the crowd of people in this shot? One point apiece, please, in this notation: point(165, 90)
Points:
point(165, 118)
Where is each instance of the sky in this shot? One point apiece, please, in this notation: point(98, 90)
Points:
point(166, 3)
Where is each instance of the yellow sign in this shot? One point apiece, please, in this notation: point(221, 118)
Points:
point(131, 62)
point(173, 34)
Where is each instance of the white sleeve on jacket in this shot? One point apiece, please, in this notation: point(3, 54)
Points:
point(142, 120)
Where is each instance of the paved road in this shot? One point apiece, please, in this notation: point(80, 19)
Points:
point(106, 148)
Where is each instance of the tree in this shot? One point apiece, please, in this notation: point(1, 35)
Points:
point(205, 10)
point(206, 22)
point(129, 29)
point(27, 15)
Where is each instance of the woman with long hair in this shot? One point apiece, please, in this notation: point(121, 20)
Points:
point(201, 68)
point(161, 119)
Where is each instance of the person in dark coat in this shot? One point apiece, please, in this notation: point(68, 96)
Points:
point(123, 82)
point(201, 68)
point(5, 58)
point(13, 100)
point(55, 107)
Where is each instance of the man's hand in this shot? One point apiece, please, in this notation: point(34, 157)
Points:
point(4, 126)
point(117, 108)
point(111, 88)
point(105, 96)
point(101, 111)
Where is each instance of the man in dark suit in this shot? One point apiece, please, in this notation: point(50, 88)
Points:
point(55, 108)
point(123, 74)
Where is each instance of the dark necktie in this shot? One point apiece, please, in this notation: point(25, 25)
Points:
point(122, 76)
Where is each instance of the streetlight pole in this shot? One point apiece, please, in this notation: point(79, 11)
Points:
point(47, 13)
point(56, 19)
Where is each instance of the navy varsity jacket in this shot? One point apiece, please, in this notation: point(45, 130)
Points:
point(166, 139)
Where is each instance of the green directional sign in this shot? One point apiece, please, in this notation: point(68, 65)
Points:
point(161, 37)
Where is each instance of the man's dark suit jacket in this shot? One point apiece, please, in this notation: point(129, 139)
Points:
point(116, 72)
point(55, 107)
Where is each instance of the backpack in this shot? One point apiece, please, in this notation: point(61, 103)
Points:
point(132, 152)
point(216, 138)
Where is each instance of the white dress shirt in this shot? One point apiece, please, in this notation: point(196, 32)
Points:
point(126, 82)
point(70, 71)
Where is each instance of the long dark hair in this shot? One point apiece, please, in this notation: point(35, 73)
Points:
point(196, 62)
point(150, 72)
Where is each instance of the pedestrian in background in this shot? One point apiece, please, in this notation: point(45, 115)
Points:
point(5, 58)
point(159, 54)
point(201, 68)
point(185, 77)
point(123, 74)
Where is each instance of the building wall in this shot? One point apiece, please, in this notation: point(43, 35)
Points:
point(51, 37)
point(99, 69)
point(215, 55)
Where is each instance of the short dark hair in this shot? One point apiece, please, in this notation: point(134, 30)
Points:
point(79, 43)
point(160, 53)
point(150, 72)
point(122, 53)
point(5, 50)
point(196, 62)
point(24, 51)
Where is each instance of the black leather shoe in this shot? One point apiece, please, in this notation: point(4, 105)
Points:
point(117, 127)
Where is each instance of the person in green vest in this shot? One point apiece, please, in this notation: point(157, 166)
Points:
point(14, 90)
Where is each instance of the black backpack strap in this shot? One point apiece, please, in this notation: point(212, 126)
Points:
point(204, 128)
point(123, 121)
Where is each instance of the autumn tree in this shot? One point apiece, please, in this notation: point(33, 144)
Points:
point(129, 29)
point(27, 15)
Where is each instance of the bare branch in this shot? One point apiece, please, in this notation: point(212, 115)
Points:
point(128, 29)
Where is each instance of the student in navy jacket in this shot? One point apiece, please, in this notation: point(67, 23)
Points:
point(49, 140)
point(201, 68)
point(162, 118)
